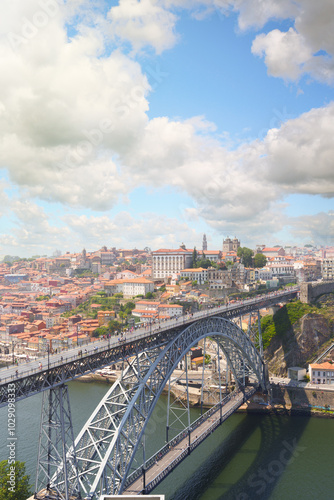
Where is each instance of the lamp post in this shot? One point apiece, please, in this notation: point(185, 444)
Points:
point(48, 348)
point(13, 351)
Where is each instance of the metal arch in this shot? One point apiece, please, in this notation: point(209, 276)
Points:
point(106, 446)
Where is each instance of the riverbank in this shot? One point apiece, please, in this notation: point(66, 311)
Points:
point(285, 400)
point(277, 409)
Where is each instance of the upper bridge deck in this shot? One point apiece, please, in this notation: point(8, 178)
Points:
point(56, 369)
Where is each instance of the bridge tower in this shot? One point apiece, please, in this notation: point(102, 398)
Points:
point(56, 454)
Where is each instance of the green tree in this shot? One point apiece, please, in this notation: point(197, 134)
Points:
point(114, 326)
point(101, 330)
point(246, 256)
point(207, 359)
point(204, 263)
point(129, 306)
point(149, 295)
point(195, 257)
point(260, 260)
point(122, 315)
point(14, 482)
point(43, 297)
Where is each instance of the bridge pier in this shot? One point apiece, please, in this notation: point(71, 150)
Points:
point(56, 453)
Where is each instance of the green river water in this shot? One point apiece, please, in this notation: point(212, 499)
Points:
point(248, 457)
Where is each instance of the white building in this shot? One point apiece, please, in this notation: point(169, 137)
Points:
point(129, 287)
point(265, 273)
point(327, 269)
point(322, 373)
point(213, 255)
point(296, 373)
point(282, 269)
point(169, 310)
point(167, 262)
point(198, 274)
point(137, 286)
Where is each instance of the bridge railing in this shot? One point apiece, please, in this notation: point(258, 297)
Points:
point(238, 401)
point(145, 332)
point(183, 434)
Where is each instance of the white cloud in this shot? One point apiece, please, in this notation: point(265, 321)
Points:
point(256, 13)
point(66, 112)
point(74, 127)
point(146, 229)
point(32, 231)
point(300, 154)
point(143, 23)
point(285, 54)
point(317, 229)
point(293, 53)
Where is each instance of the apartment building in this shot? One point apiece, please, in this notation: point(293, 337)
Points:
point(130, 287)
point(198, 274)
point(327, 269)
point(166, 262)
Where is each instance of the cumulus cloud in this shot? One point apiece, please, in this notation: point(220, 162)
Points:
point(148, 229)
point(307, 48)
point(65, 111)
point(300, 154)
point(143, 23)
point(74, 124)
point(4, 198)
point(317, 229)
point(33, 230)
point(285, 53)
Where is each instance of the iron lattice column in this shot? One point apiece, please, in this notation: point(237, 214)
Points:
point(56, 457)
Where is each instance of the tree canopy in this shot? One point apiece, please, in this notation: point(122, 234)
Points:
point(203, 262)
point(260, 260)
point(14, 482)
point(246, 256)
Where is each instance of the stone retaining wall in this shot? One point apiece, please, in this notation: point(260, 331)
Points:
point(310, 291)
point(298, 396)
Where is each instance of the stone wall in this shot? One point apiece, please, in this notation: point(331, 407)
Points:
point(300, 397)
point(310, 291)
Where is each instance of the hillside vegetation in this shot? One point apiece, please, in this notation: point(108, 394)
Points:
point(282, 321)
point(296, 333)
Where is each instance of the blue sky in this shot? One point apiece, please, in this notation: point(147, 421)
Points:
point(149, 123)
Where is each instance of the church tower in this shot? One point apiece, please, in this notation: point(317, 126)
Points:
point(205, 243)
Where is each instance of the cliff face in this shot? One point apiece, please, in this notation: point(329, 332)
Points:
point(298, 344)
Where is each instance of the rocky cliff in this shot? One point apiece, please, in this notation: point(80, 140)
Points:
point(301, 340)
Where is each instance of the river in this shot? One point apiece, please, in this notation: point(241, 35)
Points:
point(248, 457)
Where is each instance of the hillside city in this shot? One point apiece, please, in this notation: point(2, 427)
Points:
point(48, 304)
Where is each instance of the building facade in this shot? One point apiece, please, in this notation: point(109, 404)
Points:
point(327, 270)
point(230, 245)
point(321, 373)
point(167, 262)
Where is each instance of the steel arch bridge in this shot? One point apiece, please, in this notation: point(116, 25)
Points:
point(106, 446)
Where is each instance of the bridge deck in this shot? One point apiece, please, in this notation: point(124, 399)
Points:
point(31, 378)
point(166, 463)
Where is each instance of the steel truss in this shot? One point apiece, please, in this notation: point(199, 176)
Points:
point(108, 442)
point(35, 381)
point(56, 442)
